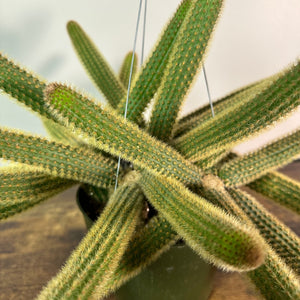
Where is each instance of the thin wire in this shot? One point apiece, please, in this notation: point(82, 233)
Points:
point(144, 33)
point(208, 92)
point(129, 83)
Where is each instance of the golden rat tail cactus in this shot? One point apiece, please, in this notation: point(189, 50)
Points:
point(182, 167)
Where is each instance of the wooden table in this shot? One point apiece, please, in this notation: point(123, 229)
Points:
point(35, 244)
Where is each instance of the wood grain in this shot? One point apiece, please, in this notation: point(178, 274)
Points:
point(35, 244)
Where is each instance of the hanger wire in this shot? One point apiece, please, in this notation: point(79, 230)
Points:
point(208, 91)
point(130, 74)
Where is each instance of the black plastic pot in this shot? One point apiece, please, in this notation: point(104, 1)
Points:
point(178, 274)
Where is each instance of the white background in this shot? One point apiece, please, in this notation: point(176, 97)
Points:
point(253, 39)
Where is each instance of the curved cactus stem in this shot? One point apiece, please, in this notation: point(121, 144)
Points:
point(279, 188)
point(110, 132)
point(184, 62)
point(246, 208)
point(222, 105)
point(227, 130)
point(22, 85)
point(275, 185)
point(22, 187)
point(275, 277)
point(279, 237)
point(145, 247)
point(96, 65)
point(57, 159)
point(214, 235)
point(247, 168)
point(124, 72)
point(149, 78)
point(275, 280)
point(97, 256)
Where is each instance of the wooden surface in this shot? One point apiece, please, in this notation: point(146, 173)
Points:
point(35, 244)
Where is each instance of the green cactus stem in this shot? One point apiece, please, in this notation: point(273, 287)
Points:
point(230, 129)
point(22, 187)
point(97, 256)
point(214, 190)
point(246, 208)
point(281, 278)
point(145, 247)
point(214, 235)
point(184, 62)
point(22, 85)
point(96, 65)
point(229, 102)
point(124, 72)
point(280, 188)
point(247, 168)
point(279, 237)
point(148, 80)
point(274, 185)
point(57, 159)
point(275, 280)
point(108, 131)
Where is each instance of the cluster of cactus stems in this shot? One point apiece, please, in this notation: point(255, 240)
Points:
point(183, 167)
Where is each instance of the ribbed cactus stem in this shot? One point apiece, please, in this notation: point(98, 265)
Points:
point(247, 168)
point(56, 159)
point(144, 248)
point(280, 188)
point(22, 187)
point(124, 72)
point(279, 237)
point(214, 235)
point(247, 209)
point(221, 106)
point(184, 62)
point(96, 65)
point(149, 78)
point(275, 280)
point(22, 85)
point(108, 131)
point(225, 131)
point(275, 185)
point(98, 255)
point(274, 277)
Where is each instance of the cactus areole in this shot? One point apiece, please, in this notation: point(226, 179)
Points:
point(180, 179)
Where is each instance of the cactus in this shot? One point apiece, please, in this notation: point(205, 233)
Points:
point(252, 166)
point(96, 66)
point(125, 69)
point(183, 168)
point(279, 188)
